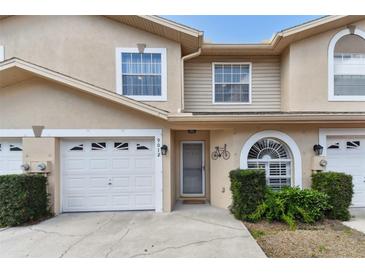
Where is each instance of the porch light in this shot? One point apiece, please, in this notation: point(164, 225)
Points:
point(164, 149)
point(318, 149)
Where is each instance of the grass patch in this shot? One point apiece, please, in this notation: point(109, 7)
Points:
point(256, 233)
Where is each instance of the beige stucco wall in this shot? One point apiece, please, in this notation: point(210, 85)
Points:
point(46, 150)
point(40, 102)
point(306, 87)
point(305, 137)
point(84, 47)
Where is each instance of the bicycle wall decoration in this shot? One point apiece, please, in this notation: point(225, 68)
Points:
point(221, 152)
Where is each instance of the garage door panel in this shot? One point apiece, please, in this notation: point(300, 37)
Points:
point(116, 175)
point(121, 201)
point(143, 163)
point(11, 156)
point(75, 164)
point(121, 183)
point(97, 201)
point(99, 163)
point(144, 201)
point(120, 163)
point(144, 183)
point(343, 156)
point(72, 184)
point(75, 202)
point(97, 184)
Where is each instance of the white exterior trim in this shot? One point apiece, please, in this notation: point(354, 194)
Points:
point(326, 132)
point(330, 57)
point(182, 169)
point(119, 84)
point(249, 83)
point(16, 133)
point(2, 53)
point(297, 159)
point(155, 133)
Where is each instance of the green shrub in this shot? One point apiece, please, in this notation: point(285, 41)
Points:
point(23, 198)
point(248, 191)
point(339, 188)
point(291, 205)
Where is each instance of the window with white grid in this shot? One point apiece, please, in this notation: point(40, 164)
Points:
point(232, 83)
point(142, 75)
point(274, 157)
point(349, 74)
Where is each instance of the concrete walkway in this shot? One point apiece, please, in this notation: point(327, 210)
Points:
point(189, 231)
point(358, 219)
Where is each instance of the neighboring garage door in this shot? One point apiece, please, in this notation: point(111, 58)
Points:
point(11, 156)
point(347, 154)
point(99, 175)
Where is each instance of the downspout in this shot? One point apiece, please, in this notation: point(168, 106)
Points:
point(183, 59)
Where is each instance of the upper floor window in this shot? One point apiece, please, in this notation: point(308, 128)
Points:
point(346, 66)
point(142, 75)
point(232, 83)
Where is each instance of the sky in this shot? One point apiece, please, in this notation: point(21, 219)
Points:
point(240, 29)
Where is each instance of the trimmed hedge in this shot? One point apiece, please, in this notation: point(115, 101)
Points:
point(338, 186)
point(248, 189)
point(290, 205)
point(23, 198)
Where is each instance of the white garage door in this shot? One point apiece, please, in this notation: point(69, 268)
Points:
point(11, 157)
point(100, 175)
point(347, 154)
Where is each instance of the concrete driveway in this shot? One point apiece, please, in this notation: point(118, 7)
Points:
point(357, 220)
point(190, 231)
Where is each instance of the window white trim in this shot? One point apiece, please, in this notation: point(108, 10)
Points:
point(249, 83)
point(297, 159)
point(155, 133)
point(326, 132)
point(119, 84)
point(330, 57)
point(2, 53)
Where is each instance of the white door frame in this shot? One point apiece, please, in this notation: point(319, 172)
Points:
point(90, 133)
point(182, 169)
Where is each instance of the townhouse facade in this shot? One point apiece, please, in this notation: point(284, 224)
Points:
point(139, 112)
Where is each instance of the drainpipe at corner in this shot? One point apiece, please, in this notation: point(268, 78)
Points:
point(183, 59)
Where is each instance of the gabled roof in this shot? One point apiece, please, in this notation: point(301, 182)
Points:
point(14, 70)
point(189, 38)
point(283, 38)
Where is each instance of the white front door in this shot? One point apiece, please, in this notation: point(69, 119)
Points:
point(347, 154)
point(192, 169)
point(11, 156)
point(104, 174)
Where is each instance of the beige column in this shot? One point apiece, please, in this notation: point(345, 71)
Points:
point(46, 150)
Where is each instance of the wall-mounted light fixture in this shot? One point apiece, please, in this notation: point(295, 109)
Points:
point(191, 131)
point(318, 149)
point(164, 149)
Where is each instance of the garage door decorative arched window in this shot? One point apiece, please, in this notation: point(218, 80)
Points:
point(275, 158)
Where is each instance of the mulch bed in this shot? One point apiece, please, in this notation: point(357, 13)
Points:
point(326, 239)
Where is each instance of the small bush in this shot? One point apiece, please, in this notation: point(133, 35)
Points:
point(339, 188)
point(23, 198)
point(248, 189)
point(291, 205)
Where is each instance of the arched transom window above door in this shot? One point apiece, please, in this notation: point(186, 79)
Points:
point(275, 158)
